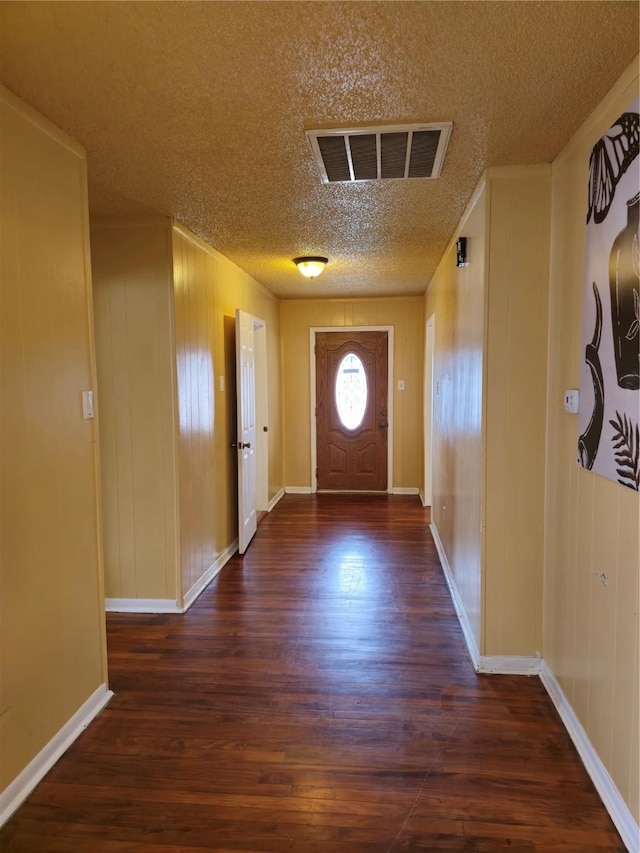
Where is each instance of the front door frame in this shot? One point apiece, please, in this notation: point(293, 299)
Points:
point(312, 396)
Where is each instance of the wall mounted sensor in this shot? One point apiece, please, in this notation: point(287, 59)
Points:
point(461, 252)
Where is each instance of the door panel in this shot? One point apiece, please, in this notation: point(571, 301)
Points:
point(351, 459)
point(246, 392)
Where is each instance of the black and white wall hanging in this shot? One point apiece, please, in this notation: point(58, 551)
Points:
point(609, 429)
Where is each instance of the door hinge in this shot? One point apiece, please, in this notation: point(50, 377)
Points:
point(316, 473)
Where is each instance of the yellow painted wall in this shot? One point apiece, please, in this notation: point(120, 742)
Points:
point(165, 304)
point(515, 407)
point(52, 627)
point(457, 298)
point(297, 317)
point(208, 289)
point(592, 524)
point(133, 306)
point(490, 408)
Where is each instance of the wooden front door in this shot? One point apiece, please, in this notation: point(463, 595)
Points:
point(351, 410)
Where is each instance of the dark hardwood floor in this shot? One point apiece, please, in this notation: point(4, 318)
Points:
point(317, 697)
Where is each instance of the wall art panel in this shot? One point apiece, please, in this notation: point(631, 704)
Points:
point(609, 430)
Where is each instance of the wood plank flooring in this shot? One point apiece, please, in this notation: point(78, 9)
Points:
point(317, 697)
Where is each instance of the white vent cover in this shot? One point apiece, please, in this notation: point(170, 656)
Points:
point(380, 153)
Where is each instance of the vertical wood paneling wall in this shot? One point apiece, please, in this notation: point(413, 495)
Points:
point(207, 290)
point(165, 305)
point(131, 261)
point(592, 524)
point(52, 642)
point(457, 297)
point(515, 407)
point(490, 408)
point(298, 316)
point(203, 460)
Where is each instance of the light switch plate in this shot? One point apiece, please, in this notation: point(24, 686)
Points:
point(87, 405)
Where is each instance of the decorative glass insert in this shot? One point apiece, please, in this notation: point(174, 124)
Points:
point(351, 391)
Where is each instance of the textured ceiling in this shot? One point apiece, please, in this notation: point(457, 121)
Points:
point(198, 110)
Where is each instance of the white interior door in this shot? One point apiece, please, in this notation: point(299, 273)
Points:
point(246, 393)
point(428, 411)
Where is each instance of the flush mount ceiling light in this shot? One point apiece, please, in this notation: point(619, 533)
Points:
point(311, 265)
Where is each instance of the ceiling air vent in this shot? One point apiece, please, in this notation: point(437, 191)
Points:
point(379, 153)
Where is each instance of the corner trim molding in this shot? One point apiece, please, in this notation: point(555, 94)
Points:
point(275, 499)
point(141, 605)
point(625, 88)
point(467, 631)
point(201, 244)
point(605, 786)
point(201, 584)
point(297, 490)
point(17, 791)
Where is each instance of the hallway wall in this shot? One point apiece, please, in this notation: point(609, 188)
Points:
point(52, 641)
point(406, 314)
point(515, 379)
point(164, 313)
point(133, 316)
point(490, 409)
point(456, 297)
point(592, 524)
point(207, 290)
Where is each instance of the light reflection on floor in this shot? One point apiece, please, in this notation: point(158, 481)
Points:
point(351, 566)
point(352, 573)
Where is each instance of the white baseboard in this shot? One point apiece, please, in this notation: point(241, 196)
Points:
point(605, 786)
point(297, 490)
point(423, 500)
point(467, 631)
point(141, 605)
point(200, 585)
point(402, 490)
point(18, 790)
point(509, 664)
point(521, 665)
point(498, 664)
point(274, 500)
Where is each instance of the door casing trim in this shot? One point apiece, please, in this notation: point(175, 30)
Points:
point(312, 395)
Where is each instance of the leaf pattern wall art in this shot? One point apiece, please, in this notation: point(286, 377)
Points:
point(626, 443)
point(609, 419)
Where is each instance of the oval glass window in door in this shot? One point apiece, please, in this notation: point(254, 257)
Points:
point(351, 391)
